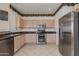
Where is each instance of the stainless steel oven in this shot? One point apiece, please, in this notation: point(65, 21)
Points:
point(41, 35)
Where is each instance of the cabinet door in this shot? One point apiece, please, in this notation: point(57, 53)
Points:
point(49, 38)
point(6, 47)
point(18, 20)
point(21, 23)
point(19, 41)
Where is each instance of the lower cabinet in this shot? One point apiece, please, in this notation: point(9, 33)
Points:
point(6, 47)
point(19, 41)
point(51, 38)
point(31, 38)
point(11, 44)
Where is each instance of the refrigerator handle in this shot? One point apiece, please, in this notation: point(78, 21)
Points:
point(61, 32)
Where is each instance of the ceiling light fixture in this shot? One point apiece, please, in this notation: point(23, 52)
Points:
point(49, 9)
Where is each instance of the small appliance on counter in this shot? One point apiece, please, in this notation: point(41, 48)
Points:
point(41, 37)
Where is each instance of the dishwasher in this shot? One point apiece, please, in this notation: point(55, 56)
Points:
point(6, 45)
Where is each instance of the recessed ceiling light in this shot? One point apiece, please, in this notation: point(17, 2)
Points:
point(49, 9)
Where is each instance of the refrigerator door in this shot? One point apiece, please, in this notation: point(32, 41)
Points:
point(60, 37)
point(69, 29)
point(75, 34)
point(66, 42)
point(65, 35)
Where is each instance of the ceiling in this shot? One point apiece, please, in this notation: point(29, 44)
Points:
point(36, 8)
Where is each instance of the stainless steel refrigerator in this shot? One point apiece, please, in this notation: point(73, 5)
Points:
point(69, 34)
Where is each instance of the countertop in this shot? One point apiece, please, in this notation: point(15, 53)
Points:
point(5, 37)
point(9, 34)
point(34, 30)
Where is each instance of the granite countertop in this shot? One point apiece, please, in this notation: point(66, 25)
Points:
point(4, 32)
point(8, 34)
point(4, 37)
point(31, 30)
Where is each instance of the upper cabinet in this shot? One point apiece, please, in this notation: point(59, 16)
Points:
point(34, 23)
point(15, 20)
point(19, 22)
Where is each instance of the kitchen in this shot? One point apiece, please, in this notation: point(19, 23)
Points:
point(30, 25)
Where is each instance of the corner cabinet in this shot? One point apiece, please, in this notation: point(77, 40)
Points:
point(19, 42)
point(19, 22)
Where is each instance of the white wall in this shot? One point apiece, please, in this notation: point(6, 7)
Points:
point(4, 25)
point(12, 17)
point(63, 11)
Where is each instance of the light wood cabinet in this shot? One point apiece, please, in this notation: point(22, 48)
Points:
point(19, 22)
point(51, 38)
point(32, 38)
point(33, 23)
point(19, 41)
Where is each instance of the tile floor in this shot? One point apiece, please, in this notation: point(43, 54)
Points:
point(38, 50)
